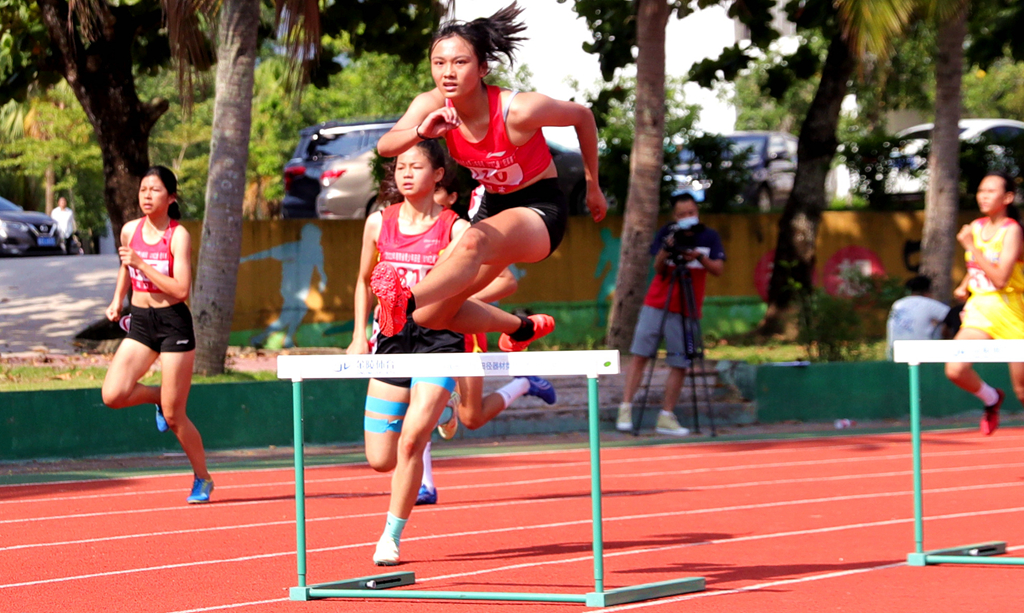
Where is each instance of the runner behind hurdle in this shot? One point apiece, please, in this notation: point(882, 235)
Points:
point(496, 134)
point(400, 414)
point(993, 288)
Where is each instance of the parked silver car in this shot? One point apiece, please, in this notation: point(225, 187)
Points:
point(27, 232)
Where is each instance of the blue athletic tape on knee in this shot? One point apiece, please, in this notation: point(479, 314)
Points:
point(380, 426)
point(386, 407)
point(447, 383)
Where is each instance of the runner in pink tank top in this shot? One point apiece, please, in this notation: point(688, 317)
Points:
point(497, 135)
point(156, 259)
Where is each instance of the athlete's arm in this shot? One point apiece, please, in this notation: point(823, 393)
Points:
point(427, 114)
point(997, 272)
point(121, 289)
point(363, 297)
point(531, 111)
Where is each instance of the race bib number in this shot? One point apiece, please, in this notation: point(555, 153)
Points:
point(509, 176)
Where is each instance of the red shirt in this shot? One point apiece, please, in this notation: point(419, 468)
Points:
point(494, 161)
point(158, 256)
point(413, 255)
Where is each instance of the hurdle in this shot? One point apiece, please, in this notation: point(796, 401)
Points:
point(915, 353)
point(590, 364)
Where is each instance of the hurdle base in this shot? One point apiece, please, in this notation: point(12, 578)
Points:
point(647, 591)
point(965, 554)
point(370, 582)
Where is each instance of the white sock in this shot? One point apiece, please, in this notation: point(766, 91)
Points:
point(987, 394)
point(669, 413)
point(516, 389)
point(626, 406)
point(428, 472)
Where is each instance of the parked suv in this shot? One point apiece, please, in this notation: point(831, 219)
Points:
point(329, 174)
point(27, 232)
point(771, 163)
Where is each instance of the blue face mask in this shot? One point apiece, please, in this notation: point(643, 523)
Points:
point(687, 222)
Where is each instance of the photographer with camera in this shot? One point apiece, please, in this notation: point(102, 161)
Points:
point(684, 251)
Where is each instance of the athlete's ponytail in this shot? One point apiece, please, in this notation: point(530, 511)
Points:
point(489, 36)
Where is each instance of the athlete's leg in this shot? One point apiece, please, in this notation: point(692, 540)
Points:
point(510, 237)
point(176, 370)
point(963, 374)
point(426, 401)
point(121, 387)
point(385, 409)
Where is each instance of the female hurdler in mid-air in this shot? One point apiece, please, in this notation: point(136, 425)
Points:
point(496, 134)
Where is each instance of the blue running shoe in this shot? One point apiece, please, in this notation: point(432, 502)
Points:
point(201, 490)
point(161, 423)
point(426, 495)
point(541, 388)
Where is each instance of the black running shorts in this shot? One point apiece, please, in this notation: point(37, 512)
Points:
point(543, 197)
point(164, 329)
point(414, 338)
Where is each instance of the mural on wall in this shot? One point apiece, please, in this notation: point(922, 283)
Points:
point(299, 260)
point(608, 260)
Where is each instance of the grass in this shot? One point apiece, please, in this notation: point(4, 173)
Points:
point(23, 378)
point(782, 352)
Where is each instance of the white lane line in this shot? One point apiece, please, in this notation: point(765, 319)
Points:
point(695, 489)
point(441, 473)
point(829, 446)
point(586, 521)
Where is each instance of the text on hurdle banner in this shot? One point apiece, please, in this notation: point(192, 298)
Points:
point(534, 363)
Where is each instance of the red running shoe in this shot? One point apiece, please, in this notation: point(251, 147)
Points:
point(393, 295)
point(542, 326)
point(990, 420)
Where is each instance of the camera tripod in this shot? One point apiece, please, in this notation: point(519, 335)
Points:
point(693, 347)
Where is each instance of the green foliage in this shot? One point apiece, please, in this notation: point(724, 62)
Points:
point(56, 134)
point(843, 328)
point(614, 108)
point(757, 111)
point(997, 91)
point(872, 159)
point(724, 170)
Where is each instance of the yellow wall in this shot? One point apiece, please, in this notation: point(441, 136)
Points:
point(569, 274)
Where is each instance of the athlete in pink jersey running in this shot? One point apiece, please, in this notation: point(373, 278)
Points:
point(497, 135)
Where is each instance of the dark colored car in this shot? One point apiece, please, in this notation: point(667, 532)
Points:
point(329, 174)
point(27, 232)
point(771, 162)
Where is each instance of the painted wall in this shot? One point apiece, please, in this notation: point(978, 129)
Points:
point(302, 272)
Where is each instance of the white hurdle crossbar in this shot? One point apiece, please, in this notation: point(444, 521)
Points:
point(915, 353)
point(590, 364)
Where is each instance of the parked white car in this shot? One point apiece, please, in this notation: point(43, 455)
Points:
point(912, 179)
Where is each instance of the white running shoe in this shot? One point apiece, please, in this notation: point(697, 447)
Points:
point(448, 424)
point(624, 423)
point(387, 552)
point(668, 424)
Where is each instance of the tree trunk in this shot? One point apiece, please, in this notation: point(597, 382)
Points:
point(942, 199)
point(795, 252)
point(221, 246)
point(642, 201)
point(101, 76)
point(50, 179)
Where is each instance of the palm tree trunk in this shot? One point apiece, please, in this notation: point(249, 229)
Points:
point(642, 201)
point(221, 245)
point(943, 196)
point(796, 250)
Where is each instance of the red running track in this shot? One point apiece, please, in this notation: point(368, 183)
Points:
point(800, 525)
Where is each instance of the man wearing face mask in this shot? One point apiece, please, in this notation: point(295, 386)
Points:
point(685, 242)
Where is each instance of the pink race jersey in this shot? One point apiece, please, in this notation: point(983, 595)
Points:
point(413, 255)
point(158, 256)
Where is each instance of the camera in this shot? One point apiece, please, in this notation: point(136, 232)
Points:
point(683, 238)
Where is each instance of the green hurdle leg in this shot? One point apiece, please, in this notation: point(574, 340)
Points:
point(300, 482)
point(967, 554)
point(594, 418)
